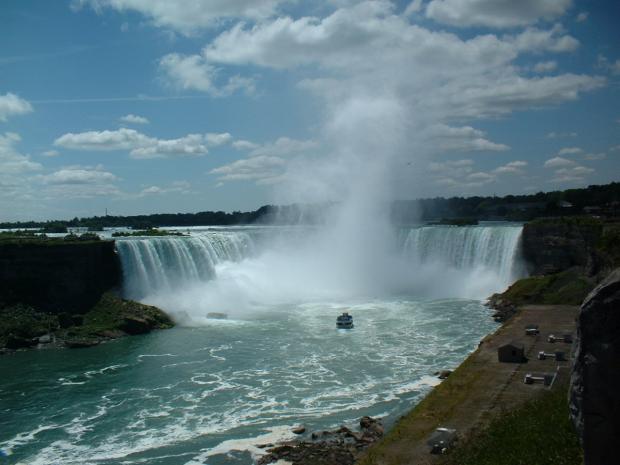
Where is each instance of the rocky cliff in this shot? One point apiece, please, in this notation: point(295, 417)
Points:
point(57, 276)
point(595, 378)
point(556, 244)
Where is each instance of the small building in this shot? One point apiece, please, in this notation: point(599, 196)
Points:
point(513, 352)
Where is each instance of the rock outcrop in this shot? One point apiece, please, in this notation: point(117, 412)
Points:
point(595, 377)
point(339, 447)
point(551, 245)
point(57, 277)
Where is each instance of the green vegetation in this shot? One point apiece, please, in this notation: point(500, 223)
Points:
point(113, 314)
point(149, 232)
point(609, 245)
point(539, 432)
point(20, 324)
point(603, 200)
point(567, 287)
point(32, 237)
point(431, 412)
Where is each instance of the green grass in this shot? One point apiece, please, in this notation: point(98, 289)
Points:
point(110, 312)
point(537, 433)
point(567, 287)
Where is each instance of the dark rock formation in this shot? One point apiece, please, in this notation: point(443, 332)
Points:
point(58, 277)
point(339, 447)
point(595, 377)
point(556, 244)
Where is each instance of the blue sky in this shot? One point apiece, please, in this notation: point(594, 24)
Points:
point(168, 106)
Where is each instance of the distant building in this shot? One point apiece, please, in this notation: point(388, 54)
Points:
point(565, 204)
point(513, 352)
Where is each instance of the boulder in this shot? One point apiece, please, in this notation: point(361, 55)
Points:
point(595, 378)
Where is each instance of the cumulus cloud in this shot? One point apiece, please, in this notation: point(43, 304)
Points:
point(244, 145)
point(11, 160)
point(50, 153)
point(140, 145)
point(581, 17)
point(214, 139)
point(133, 119)
point(545, 66)
point(180, 187)
point(11, 104)
point(558, 162)
point(190, 145)
point(120, 139)
point(79, 175)
point(571, 174)
point(263, 169)
point(188, 17)
point(193, 72)
point(538, 40)
point(559, 135)
point(465, 138)
point(514, 167)
point(266, 163)
point(495, 13)
point(368, 46)
point(570, 151)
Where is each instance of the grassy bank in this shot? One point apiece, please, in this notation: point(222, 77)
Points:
point(430, 413)
point(539, 432)
point(568, 287)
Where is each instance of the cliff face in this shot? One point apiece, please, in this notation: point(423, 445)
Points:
point(595, 378)
point(554, 245)
point(60, 277)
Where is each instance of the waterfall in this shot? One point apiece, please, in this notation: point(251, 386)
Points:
point(494, 249)
point(163, 263)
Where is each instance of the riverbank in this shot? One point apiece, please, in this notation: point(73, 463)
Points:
point(481, 388)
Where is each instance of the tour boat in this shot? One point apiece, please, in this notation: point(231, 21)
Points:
point(344, 321)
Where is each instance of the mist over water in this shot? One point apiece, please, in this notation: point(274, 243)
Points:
point(250, 271)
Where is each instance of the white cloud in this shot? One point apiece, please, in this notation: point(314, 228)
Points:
point(263, 169)
point(538, 40)
point(495, 13)
point(615, 67)
point(50, 153)
point(11, 104)
point(188, 17)
point(571, 174)
point(12, 162)
point(615, 148)
point(193, 72)
point(465, 138)
point(265, 164)
point(570, 151)
point(368, 47)
point(414, 7)
point(558, 162)
point(133, 119)
point(190, 145)
point(180, 187)
point(514, 167)
point(120, 139)
point(214, 139)
point(559, 135)
point(244, 145)
point(581, 17)
point(141, 146)
point(545, 66)
point(79, 175)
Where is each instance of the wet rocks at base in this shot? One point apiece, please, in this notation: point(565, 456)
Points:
point(342, 446)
